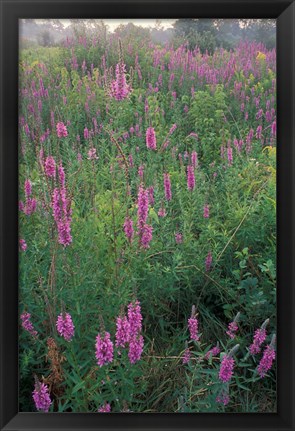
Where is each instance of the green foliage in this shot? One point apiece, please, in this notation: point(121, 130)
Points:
point(101, 271)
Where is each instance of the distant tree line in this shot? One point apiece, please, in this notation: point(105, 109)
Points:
point(206, 34)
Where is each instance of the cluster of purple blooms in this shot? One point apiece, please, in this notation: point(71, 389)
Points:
point(27, 324)
point(41, 397)
point(61, 130)
point(62, 212)
point(119, 88)
point(128, 332)
point(65, 326)
point(30, 204)
point(150, 138)
point(233, 327)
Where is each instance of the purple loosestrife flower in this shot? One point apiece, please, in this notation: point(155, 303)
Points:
point(233, 326)
point(130, 158)
point(28, 188)
point(119, 88)
point(213, 352)
point(151, 141)
point(206, 211)
point(50, 167)
point(226, 368)
point(61, 130)
point(193, 328)
point(259, 338)
point(61, 207)
point(232, 329)
point(267, 359)
point(23, 244)
point(86, 133)
point(162, 212)
point(143, 207)
point(208, 261)
point(230, 156)
point(104, 349)
point(106, 408)
point(65, 326)
point(92, 154)
point(123, 331)
point(190, 178)
point(223, 398)
point(172, 129)
point(167, 187)
point(178, 238)
point(187, 354)
point(41, 397)
point(146, 236)
point(274, 128)
point(128, 228)
point(193, 325)
point(134, 318)
point(27, 324)
point(30, 204)
point(141, 171)
point(259, 132)
point(135, 348)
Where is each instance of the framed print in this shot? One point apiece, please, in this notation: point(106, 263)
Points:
point(147, 183)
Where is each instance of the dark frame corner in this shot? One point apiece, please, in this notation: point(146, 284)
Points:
point(284, 12)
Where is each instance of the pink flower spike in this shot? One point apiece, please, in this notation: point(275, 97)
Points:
point(135, 349)
point(50, 167)
point(104, 349)
point(226, 368)
point(123, 331)
point(167, 187)
point(65, 326)
point(268, 357)
point(106, 408)
point(190, 178)
point(61, 130)
point(27, 324)
point(151, 142)
point(41, 397)
point(23, 244)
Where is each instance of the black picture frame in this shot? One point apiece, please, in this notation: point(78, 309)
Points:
point(284, 12)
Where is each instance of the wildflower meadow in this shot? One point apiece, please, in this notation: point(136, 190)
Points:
point(147, 223)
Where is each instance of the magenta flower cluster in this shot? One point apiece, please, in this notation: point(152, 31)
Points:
point(27, 324)
point(129, 332)
point(62, 212)
point(167, 187)
point(119, 87)
point(61, 130)
point(212, 352)
point(30, 205)
point(258, 340)
point(226, 368)
point(190, 178)
point(128, 228)
point(106, 408)
point(150, 139)
point(145, 231)
point(193, 325)
point(104, 349)
point(266, 361)
point(232, 329)
point(50, 167)
point(65, 326)
point(41, 397)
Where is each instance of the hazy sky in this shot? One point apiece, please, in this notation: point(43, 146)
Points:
point(113, 23)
